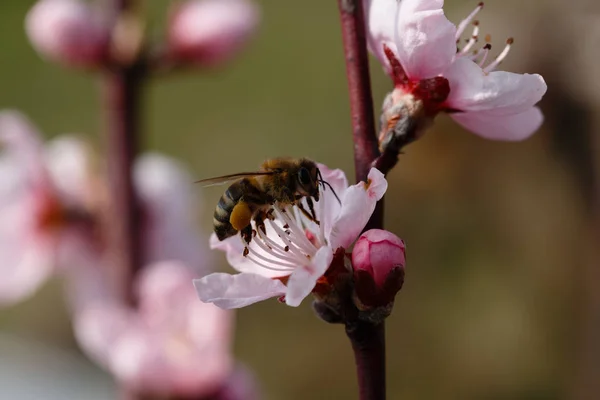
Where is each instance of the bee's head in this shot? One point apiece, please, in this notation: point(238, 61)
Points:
point(308, 177)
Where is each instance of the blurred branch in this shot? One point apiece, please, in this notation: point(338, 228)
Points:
point(122, 94)
point(368, 339)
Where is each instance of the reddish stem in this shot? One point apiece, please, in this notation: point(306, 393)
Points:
point(122, 96)
point(368, 343)
point(368, 340)
point(122, 87)
point(359, 86)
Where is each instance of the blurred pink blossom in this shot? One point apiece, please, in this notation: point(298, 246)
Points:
point(290, 260)
point(67, 31)
point(209, 32)
point(417, 46)
point(170, 211)
point(171, 345)
point(45, 198)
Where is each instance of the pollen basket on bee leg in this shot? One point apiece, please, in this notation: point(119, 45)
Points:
point(240, 216)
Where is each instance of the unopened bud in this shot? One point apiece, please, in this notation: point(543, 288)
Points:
point(208, 32)
point(378, 261)
point(67, 31)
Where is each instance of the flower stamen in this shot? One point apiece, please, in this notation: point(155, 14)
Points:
point(463, 24)
point(492, 66)
point(473, 39)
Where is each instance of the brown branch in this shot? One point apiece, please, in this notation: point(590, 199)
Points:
point(359, 86)
point(368, 340)
point(122, 94)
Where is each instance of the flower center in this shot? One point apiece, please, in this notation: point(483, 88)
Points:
point(281, 244)
point(432, 92)
point(51, 214)
point(479, 55)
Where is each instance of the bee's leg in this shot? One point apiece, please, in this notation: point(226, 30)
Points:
point(306, 213)
point(247, 234)
point(259, 219)
point(311, 207)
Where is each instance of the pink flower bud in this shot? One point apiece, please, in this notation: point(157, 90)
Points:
point(67, 31)
point(208, 32)
point(378, 260)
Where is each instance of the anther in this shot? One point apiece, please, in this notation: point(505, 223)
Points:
point(286, 248)
point(246, 252)
point(485, 50)
point(500, 57)
point(463, 24)
point(473, 38)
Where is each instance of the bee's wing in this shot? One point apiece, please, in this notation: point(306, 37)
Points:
point(221, 180)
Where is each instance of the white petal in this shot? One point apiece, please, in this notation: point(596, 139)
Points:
point(234, 249)
point(304, 278)
point(377, 184)
point(498, 92)
point(328, 207)
point(235, 291)
point(357, 206)
point(424, 38)
point(501, 127)
point(380, 17)
point(67, 159)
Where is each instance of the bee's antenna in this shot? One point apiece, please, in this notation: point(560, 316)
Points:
point(334, 193)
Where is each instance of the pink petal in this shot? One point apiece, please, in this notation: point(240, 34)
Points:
point(23, 140)
point(501, 127)
point(328, 207)
point(377, 184)
point(212, 31)
point(235, 291)
point(425, 39)
point(98, 327)
point(498, 92)
point(357, 206)
point(304, 278)
point(164, 186)
point(381, 27)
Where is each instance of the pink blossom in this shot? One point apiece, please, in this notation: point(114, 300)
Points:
point(171, 345)
point(295, 252)
point(417, 46)
point(169, 210)
point(378, 252)
point(211, 31)
point(67, 31)
point(45, 196)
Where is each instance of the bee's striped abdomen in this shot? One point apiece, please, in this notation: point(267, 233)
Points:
point(230, 198)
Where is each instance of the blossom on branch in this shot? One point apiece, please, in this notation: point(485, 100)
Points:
point(292, 255)
point(68, 31)
point(171, 345)
point(420, 50)
point(209, 32)
point(46, 204)
point(378, 261)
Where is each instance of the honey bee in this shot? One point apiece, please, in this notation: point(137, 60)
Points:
point(280, 180)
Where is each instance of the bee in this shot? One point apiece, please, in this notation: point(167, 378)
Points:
point(280, 180)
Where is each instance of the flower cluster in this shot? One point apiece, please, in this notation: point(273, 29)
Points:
point(292, 256)
point(202, 32)
point(53, 206)
point(417, 46)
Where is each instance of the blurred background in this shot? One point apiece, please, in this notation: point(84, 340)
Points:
point(502, 294)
